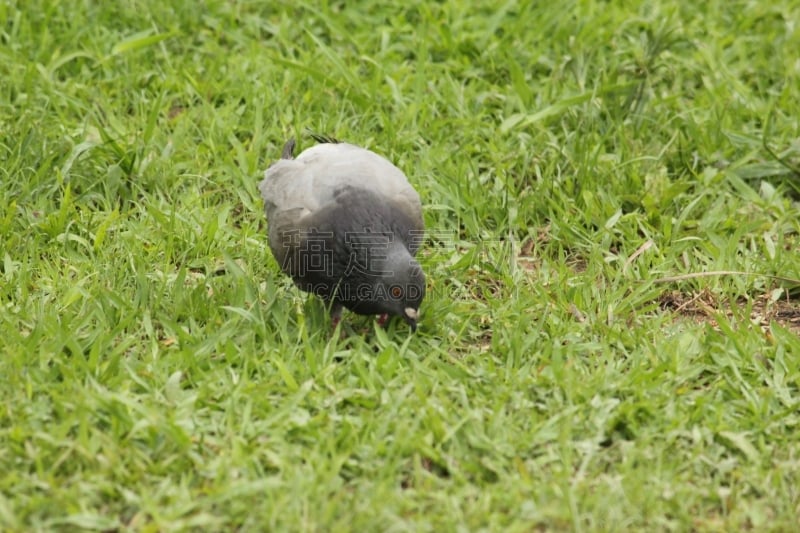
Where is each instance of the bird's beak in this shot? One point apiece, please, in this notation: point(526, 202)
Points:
point(411, 316)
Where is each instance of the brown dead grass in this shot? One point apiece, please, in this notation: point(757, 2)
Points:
point(704, 307)
point(701, 307)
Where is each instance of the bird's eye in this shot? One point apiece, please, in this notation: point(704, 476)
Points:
point(396, 292)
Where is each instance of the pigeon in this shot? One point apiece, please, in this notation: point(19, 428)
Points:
point(345, 224)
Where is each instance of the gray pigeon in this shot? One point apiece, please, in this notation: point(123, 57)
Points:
point(345, 224)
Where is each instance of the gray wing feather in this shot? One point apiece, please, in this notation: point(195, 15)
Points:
point(309, 182)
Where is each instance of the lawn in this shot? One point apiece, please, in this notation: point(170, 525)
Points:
point(611, 335)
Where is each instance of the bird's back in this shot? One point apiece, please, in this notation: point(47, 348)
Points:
point(338, 192)
point(314, 179)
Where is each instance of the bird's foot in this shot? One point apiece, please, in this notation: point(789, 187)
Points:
point(336, 316)
point(383, 319)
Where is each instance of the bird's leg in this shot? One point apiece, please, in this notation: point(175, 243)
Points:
point(383, 319)
point(336, 314)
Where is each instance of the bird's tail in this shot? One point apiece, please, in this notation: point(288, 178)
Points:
point(288, 149)
point(324, 139)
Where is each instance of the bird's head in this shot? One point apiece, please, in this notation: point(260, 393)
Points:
point(406, 290)
point(396, 287)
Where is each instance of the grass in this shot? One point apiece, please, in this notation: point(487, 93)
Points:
point(159, 373)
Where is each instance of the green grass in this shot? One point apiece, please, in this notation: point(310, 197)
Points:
point(159, 374)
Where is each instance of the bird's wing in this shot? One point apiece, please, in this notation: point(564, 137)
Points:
point(312, 180)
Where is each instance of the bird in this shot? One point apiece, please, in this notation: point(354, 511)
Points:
point(345, 224)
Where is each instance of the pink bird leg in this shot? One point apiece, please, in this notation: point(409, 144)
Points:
point(336, 315)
